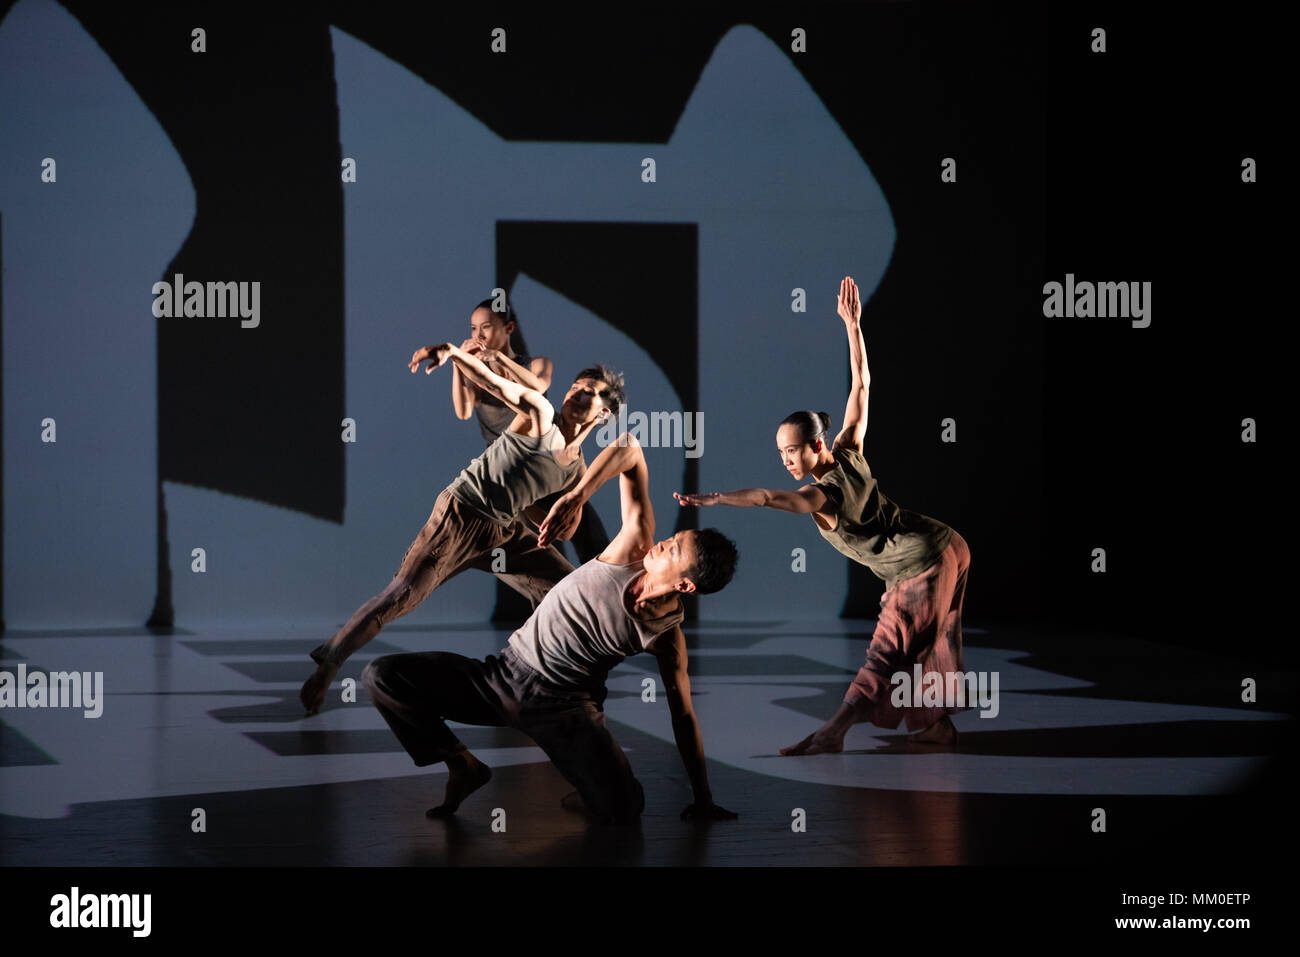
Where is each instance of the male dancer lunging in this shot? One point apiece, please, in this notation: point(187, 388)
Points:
point(549, 681)
point(540, 454)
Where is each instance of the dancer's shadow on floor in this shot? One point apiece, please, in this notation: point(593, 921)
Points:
point(901, 745)
point(1153, 739)
point(895, 745)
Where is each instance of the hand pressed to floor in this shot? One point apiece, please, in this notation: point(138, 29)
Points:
point(314, 688)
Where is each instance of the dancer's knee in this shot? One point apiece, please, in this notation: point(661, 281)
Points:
point(626, 806)
point(630, 813)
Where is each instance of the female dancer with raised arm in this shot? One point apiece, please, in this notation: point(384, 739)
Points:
point(922, 561)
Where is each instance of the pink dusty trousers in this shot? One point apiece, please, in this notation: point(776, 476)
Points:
point(920, 622)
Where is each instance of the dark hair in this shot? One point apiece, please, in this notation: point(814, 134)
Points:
point(517, 344)
point(715, 561)
point(613, 396)
point(507, 316)
point(811, 425)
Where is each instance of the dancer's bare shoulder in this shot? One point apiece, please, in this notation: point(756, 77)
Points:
point(568, 455)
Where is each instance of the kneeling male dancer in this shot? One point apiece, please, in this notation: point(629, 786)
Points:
point(539, 455)
point(549, 681)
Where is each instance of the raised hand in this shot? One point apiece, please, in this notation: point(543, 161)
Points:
point(698, 498)
point(434, 355)
point(850, 309)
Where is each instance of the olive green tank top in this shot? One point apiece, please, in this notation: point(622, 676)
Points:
point(895, 543)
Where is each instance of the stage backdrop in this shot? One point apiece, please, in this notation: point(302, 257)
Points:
point(679, 204)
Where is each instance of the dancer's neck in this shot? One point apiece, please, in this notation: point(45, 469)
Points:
point(825, 462)
point(649, 596)
point(574, 432)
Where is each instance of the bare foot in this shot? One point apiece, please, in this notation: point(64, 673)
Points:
point(465, 775)
point(819, 742)
point(941, 732)
point(313, 690)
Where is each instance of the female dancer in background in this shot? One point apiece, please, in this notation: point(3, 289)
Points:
point(922, 561)
point(492, 338)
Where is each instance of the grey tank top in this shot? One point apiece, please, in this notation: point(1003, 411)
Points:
point(584, 627)
point(513, 473)
point(494, 416)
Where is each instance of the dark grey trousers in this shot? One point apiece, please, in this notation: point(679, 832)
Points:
point(588, 541)
point(418, 693)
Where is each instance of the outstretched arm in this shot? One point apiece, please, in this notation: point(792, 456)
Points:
point(623, 458)
point(537, 376)
point(517, 396)
point(855, 411)
point(670, 649)
point(463, 399)
point(807, 499)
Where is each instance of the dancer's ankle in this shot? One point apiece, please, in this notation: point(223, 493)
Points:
point(459, 760)
point(845, 716)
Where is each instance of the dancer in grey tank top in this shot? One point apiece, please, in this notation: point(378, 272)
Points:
point(493, 325)
point(540, 455)
point(549, 680)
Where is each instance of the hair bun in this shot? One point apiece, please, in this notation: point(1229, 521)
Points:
point(812, 425)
